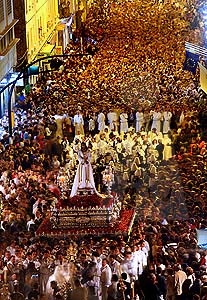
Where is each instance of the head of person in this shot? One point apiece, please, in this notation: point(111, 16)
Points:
point(128, 254)
point(83, 147)
point(170, 271)
point(83, 257)
point(124, 276)
point(53, 284)
point(177, 267)
point(104, 262)
point(114, 278)
point(153, 277)
point(46, 254)
point(189, 271)
point(77, 282)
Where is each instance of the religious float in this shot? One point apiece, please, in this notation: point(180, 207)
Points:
point(87, 211)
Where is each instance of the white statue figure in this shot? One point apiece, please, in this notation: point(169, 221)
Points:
point(84, 174)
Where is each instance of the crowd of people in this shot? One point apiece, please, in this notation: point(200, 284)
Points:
point(127, 98)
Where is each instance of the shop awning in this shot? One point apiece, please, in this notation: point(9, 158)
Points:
point(46, 50)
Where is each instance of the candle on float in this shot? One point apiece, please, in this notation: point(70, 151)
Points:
point(81, 42)
point(62, 179)
point(5, 271)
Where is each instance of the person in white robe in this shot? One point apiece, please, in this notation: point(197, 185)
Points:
point(167, 153)
point(167, 115)
point(78, 123)
point(139, 257)
point(92, 123)
point(139, 119)
point(106, 134)
point(144, 249)
point(156, 120)
point(113, 119)
point(154, 134)
point(123, 122)
point(105, 279)
point(152, 154)
point(118, 145)
point(102, 146)
point(84, 174)
point(101, 122)
point(129, 266)
point(61, 275)
point(114, 265)
point(126, 145)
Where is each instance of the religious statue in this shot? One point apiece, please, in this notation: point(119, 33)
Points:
point(84, 175)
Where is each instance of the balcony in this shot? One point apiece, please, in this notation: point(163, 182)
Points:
point(9, 27)
point(8, 48)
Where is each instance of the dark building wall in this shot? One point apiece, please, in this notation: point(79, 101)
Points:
point(20, 32)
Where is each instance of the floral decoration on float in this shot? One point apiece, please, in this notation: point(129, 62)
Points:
point(92, 200)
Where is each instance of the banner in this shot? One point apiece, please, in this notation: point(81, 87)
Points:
point(191, 62)
point(195, 49)
point(203, 77)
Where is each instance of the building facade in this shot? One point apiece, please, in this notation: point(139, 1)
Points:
point(8, 57)
point(32, 29)
point(37, 27)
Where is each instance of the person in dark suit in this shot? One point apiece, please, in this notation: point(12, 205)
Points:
point(160, 149)
point(124, 288)
point(161, 282)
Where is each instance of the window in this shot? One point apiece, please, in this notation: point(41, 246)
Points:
point(10, 36)
point(3, 44)
point(9, 7)
point(1, 10)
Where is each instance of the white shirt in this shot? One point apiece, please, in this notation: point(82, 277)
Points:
point(29, 223)
point(115, 267)
point(78, 119)
point(129, 266)
point(140, 259)
point(106, 274)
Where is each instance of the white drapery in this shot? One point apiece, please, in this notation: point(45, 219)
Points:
point(84, 174)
